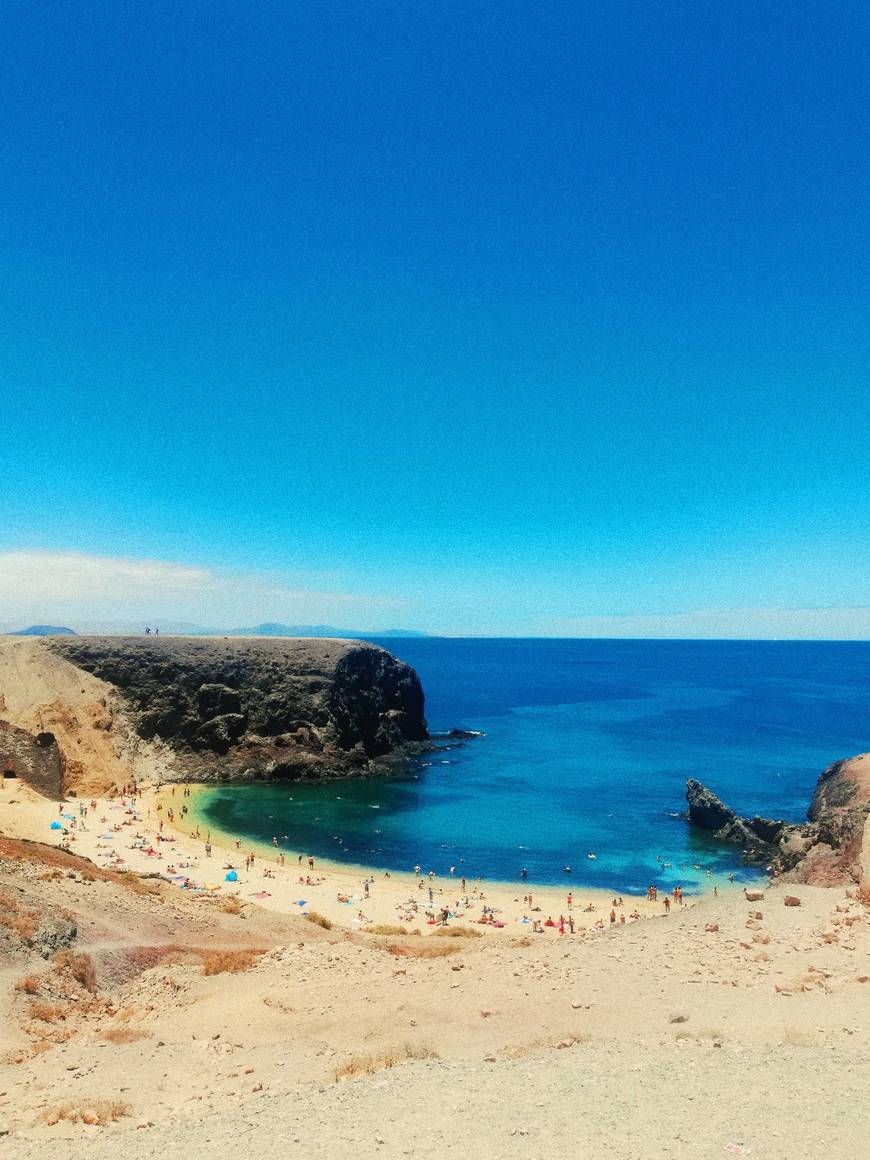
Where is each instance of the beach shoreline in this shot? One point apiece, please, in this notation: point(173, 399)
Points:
point(140, 836)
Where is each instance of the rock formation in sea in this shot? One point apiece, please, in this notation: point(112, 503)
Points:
point(832, 847)
point(234, 709)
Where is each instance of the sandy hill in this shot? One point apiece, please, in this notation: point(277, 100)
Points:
point(139, 1021)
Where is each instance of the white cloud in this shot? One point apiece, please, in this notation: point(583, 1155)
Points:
point(728, 623)
point(72, 588)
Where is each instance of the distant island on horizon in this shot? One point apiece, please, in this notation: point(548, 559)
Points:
point(267, 629)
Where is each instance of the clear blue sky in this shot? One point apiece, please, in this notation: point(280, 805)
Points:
point(483, 318)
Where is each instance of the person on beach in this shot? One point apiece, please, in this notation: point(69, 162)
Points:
point(570, 900)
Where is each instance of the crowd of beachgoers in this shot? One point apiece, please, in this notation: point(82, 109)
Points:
point(153, 830)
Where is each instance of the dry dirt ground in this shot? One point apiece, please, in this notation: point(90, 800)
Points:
point(733, 1027)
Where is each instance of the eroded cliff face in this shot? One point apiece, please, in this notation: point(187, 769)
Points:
point(241, 708)
point(831, 848)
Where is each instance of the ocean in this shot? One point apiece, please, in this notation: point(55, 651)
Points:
point(586, 750)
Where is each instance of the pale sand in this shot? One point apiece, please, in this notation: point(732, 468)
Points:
point(392, 897)
point(679, 1037)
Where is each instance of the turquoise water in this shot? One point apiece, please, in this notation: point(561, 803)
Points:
point(587, 748)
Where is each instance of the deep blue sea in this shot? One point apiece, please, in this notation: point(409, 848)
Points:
point(587, 748)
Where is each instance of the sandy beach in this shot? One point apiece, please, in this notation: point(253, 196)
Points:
point(138, 834)
point(690, 1036)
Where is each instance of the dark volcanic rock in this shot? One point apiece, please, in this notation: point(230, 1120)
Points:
point(55, 933)
point(245, 708)
point(831, 848)
point(215, 700)
point(709, 812)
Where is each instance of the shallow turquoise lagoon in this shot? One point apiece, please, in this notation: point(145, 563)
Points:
point(587, 748)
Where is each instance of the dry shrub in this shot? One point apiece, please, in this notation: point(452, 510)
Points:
point(224, 962)
point(213, 961)
point(544, 1043)
point(387, 928)
point(15, 916)
point(359, 1065)
point(29, 985)
point(231, 905)
point(87, 1112)
point(458, 932)
point(521, 942)
point(23, 1054)
point(51, 875)
point(133, 961)
point(424, 949)
point(319, 919)
point(46, 1012)
point(79, 966)
point(133, 882)
point(125, 1034)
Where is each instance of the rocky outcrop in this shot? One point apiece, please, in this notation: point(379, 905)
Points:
point(831, 848)
point(32, 758)
point(243, 708)
point(755, 835)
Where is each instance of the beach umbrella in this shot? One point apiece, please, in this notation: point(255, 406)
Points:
point(231, 877)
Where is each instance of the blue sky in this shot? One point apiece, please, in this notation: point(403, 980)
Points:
point(493, 318)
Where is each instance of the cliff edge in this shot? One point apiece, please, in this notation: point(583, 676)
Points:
point(259, 708)
point(831, 848)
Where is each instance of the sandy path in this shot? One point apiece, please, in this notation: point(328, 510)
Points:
point(641, 1103)
point(677, 1044)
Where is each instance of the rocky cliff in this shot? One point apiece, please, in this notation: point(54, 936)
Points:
point(244, 708)
point(832, 847)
